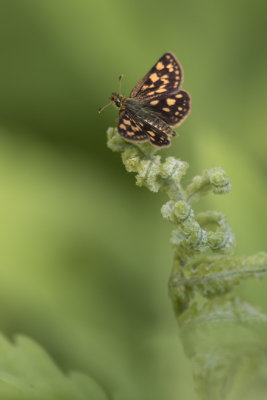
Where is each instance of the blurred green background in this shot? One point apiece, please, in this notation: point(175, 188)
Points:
point(85, 255)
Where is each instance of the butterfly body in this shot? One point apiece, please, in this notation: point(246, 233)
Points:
point(156, 104)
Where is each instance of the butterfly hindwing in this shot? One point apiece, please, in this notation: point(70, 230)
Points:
point(135, 130)
point(130, 128)
point(173, 109)
point(157, 137)
point(165, 77)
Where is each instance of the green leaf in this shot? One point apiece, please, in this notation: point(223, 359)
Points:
point(28, 372)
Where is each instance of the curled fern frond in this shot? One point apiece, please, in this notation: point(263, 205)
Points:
point(219, 331)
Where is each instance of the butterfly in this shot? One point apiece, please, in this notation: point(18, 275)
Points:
point(155, 106)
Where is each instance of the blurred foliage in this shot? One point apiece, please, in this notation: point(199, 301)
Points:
point(28, 373)
point(85, 257)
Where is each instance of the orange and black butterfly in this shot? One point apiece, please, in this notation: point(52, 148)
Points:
point(156, 104)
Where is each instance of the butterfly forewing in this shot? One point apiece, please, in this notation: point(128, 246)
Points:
point(165, 77)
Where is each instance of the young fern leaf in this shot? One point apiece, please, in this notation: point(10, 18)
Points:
point(220, 332)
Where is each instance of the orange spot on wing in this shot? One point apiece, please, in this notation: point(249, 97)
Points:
point(161, 90)
point(154, 77)
point(170, 67)
point(159, 66)
point(170, 102)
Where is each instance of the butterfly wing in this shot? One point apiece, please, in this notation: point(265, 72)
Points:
point(134, 130)
point(173, 109)
point(131, 129)
point(165, 77)
point(159, 91)
point(157, 137)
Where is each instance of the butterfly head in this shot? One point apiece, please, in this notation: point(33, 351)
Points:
point(116, 99)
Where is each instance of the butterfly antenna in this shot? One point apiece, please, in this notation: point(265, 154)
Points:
point(120, 79)
point(102, 108)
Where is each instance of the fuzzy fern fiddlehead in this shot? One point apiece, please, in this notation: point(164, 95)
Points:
point(221, 333)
